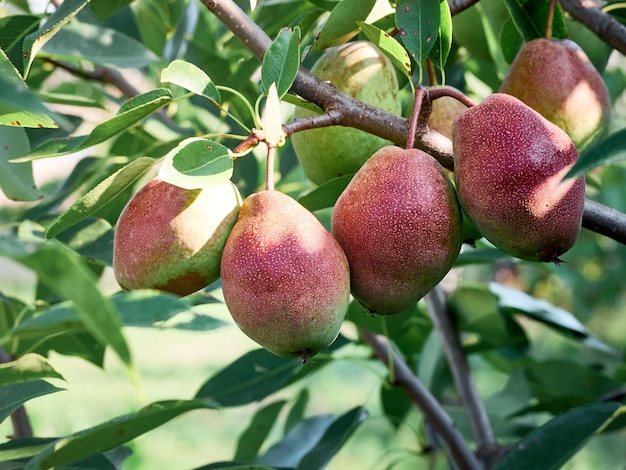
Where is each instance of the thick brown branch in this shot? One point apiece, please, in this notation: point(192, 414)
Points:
point(433, 412)
point(605, 26)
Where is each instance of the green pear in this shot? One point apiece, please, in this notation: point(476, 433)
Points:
point(399, 223)
point(509, 165)
point(556, 79)
point(171, 239)
point(285, 279)
point(361, 70)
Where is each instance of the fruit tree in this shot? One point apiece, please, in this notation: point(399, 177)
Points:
point(284, 234)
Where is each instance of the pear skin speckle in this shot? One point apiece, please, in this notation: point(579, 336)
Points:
point(285, 279)
point(399, 224)
point(509, 165)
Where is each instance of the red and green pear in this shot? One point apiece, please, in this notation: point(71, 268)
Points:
point(509, 168)
point(285, 279)
point(399, 223)
point(171, 239)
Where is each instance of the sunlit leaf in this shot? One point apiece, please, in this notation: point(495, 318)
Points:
point(606, 152)
point(390, 47)
point(16, 179)
point(191, 78)
point(27, 368)
point(253, 437)
point(37, 39)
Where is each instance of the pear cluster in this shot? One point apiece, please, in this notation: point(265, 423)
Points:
point(398, 226)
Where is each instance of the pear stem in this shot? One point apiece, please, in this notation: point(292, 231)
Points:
point(439, 92)
point(550, 19)
point(432, 76)
point(420, 93)
point(269, 168)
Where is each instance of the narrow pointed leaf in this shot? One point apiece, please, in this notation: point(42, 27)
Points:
point(443, 44)
point(529, 17)
point(326, 194)
point(191, 78)
point(418, 25)
point(607, 152)
point(390, 47)
point(342, 25)
point(551, 445)
point(16, 179)
point(100, 196)
point(37, 39)
point(112, 433)
point(15, 395)
point(63, 272)
point(19, 106)
point(250, 378)
point(27, 368)
point(130, 113)
point(281, 62)
point(257, 431)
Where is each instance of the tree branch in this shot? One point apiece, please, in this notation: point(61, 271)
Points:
point(354, 113)
point(432, 410)
point(604, 25)
point(457, 6)
point(488, 448)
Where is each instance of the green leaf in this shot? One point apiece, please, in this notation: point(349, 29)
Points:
point(606, 152)
point(100, 196)
point(27, 368)
point(515, 301)
point(342, 25)
point(250, 378)
point(37, 39)
point(64, 273)
point(197, 163)
point(439, 53)
point(551, 445)
point(529, 17)
point(191, 78)
point(432, 367)
point(281, 62)
point(13, 30)
point(78, 42)
point(326, 194)
point(254, 435)
point(20, 107)
point(130, 113)
point(482, 256)
point(112, 433)
point(333, 439)
point(418, 25)
point(390, 47)
point(104, 9)
point(16, 179)
point(21, 448)
point(16, 394)
point(395, 403)
point(147, 307)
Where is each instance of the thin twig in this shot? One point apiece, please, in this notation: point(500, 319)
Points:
point(474, 407)
point(457, 6)
point(441, 422)
point(19, 418)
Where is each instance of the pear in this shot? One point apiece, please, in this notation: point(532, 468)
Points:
point(285, 279)
point(556, 78)
point(509, 165)
point(399, 223)
point(361, 70)
point(171, 239)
